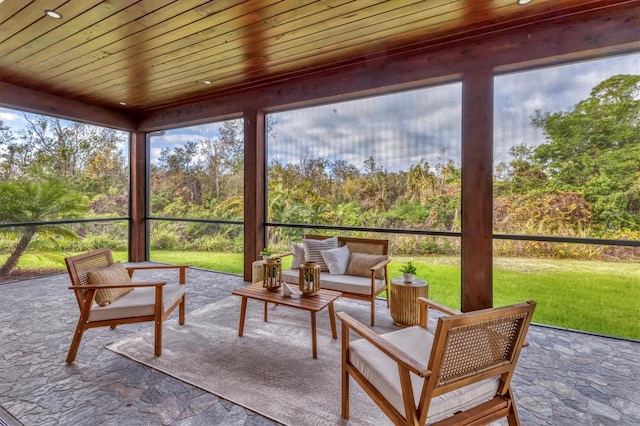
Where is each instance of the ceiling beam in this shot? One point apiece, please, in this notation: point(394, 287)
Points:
point(42, 103)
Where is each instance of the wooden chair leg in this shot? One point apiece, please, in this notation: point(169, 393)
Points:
point(345, 374)
point(80, 327)
point(373, 311)
point(75, 343)
point(158, 338)
point(512, 418)
point(182, 310)
point(345, 394)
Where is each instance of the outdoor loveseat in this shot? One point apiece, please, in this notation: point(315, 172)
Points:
point(357, 267)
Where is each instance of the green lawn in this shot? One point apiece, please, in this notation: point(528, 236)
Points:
point(598, 297)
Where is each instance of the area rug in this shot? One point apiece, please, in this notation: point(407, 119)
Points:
point(270, 370)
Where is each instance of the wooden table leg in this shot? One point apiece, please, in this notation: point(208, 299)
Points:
point(243, 311)
point(266, 310)
point(332, 318)
point(314, 340)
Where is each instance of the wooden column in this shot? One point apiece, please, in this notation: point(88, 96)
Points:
point(477, 189)
point(254, 188)
point(138, 198)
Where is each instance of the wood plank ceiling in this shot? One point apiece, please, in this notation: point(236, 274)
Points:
point(150, 54)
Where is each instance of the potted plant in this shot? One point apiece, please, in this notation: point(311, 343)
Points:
point(408, 269)
point(266, 253)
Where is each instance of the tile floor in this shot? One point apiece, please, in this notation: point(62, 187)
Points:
point(563, 377)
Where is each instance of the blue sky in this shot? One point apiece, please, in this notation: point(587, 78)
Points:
point(399, 130)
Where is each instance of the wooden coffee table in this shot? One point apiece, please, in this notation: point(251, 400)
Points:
point(313, 304)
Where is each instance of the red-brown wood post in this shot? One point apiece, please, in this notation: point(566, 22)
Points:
point(477, 189)
point(254, 188)
point(138, 198)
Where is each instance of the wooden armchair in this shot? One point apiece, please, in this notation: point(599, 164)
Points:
point(459, 375)
point(141, 301)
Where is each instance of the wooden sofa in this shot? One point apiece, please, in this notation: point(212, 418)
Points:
point(358, 287)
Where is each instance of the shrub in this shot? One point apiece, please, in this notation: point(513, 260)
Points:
point(95, 241)
point(212, 243)
point(165, 240)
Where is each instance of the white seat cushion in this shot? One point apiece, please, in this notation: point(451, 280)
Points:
point(382, 373)
point(138, 303)
point(343, 283)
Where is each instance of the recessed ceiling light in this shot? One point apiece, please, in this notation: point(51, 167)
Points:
point(53, 14)
point(123, 103)
point(523, 2)
point(207, 82)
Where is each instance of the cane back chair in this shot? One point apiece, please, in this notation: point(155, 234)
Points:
point(147, 301)
point(459, 375)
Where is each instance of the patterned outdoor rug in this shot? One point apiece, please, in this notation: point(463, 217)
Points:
point(270, 370)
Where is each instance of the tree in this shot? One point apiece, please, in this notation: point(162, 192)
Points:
point(7, 152)
point(223, 158)
point(90, 157)
point(31, 203)
point(523, 173)
point(594, 149)
point(68, 149)
point(181, 173)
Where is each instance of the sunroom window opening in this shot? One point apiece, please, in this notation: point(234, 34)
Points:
point(196, 194)
point(68, 177)
point(390, 161)
point(566, 212)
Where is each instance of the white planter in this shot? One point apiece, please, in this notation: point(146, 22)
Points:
point(407, 277)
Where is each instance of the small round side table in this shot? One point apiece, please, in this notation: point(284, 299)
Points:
point(405, 310)
point(257, 271)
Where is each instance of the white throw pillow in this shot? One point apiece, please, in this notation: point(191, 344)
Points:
point(312, 249)
point(336, 259)
point(298, 255)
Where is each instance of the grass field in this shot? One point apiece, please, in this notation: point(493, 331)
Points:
point(598, 297)
point(592, 296)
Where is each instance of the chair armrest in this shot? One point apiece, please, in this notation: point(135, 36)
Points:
point(377, 266)
point(435, 305)
point(182, 268)
point(281, 255)
point(133, 268)
point(384, 345)
point(374, 271)
point(425, 304)
point(137, 284)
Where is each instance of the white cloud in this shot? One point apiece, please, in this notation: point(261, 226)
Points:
point(12, 119)
point(397, 130)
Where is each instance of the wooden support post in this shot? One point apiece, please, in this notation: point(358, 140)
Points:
point(477, 189)
point(138, 198)
point(254, 188)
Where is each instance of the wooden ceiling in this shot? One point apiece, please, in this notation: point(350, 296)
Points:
point(151, 54)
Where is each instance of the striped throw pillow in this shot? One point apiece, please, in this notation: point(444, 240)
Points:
point(313, 249)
